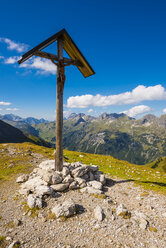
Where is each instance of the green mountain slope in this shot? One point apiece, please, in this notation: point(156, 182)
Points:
point(159, 164)
point(137, 141)
point(10, 134)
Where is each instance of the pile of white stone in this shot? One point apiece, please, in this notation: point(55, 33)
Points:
point(44, 180)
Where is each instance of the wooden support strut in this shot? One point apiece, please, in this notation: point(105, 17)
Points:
point(59, 107)
point(53, 57)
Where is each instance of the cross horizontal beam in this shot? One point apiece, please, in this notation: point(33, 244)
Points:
point(41, 46)
point(55, 57)
point(69, 46)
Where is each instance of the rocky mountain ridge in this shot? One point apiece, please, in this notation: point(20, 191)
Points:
point(137, 141)
point(28, 120)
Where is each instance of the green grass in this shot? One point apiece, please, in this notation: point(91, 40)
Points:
point(20, 161)
point(146, 176)
point(2, 242)
point(34, 211)
point(143, 175)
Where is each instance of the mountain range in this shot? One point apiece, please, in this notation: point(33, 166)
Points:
point(137, 141)
point(29, 120)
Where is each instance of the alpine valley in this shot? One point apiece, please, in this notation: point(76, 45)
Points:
point(137, 141)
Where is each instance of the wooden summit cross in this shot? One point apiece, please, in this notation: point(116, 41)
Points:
point(65, 42)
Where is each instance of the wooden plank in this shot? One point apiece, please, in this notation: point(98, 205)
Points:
point(75, 54)
point(59, 109)
point(55, 57)
point(41, 46)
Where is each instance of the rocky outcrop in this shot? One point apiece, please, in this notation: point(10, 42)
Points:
point(44, 180)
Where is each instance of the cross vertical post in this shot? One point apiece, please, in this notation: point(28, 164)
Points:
point(59, 107)
point(76, 58)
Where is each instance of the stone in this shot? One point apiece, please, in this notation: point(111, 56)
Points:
point(39, 202)
point(91, 190)
point(164, 214)
point(56, 178)
point(95, 185)
point(13, 244)
point(121, 209)
point(67, 209)
point(34, 201)
point(68, 179)
point(76, 164)
point(80, 180)
point(94, 168)
point(98, 213)
point(31, 201)
point(22, 178)
point(47, 165)
point(8, 238)
point(83, 185)
point(31, 184)
point(91, 176)
point(85, 177)
point(143, 223)
point(51, 176)
point(80, 171)
point(60, 187)
point(102, 179)
point(17, 222)
point(66, 164)
point(24, 192)
point(43, 190)
point(65, 172)
point(74, 185)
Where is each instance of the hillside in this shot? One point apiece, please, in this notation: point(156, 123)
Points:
point(10, 134)
point(137, 141)
point(159, 164)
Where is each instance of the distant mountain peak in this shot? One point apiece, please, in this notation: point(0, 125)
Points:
point(29, 120)
point(74, 115)
point(111, 116)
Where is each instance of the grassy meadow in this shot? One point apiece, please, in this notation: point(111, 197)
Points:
point(19, 158)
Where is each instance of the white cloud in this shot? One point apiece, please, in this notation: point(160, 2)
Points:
point(0, 109)
point(137, 110)
point(5, 103)
point(12, 109)
point(90, 110)
point(12, 45)
point(140, 93)
point(44, 66)
point(164, 110)
point(1, 57)
point(11, 60)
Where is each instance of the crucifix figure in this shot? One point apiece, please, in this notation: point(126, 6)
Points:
point(65, 42)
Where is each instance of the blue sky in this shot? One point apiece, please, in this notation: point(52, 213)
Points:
point(124, 41)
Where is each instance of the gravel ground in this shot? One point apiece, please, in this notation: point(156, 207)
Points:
point(42, 230)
